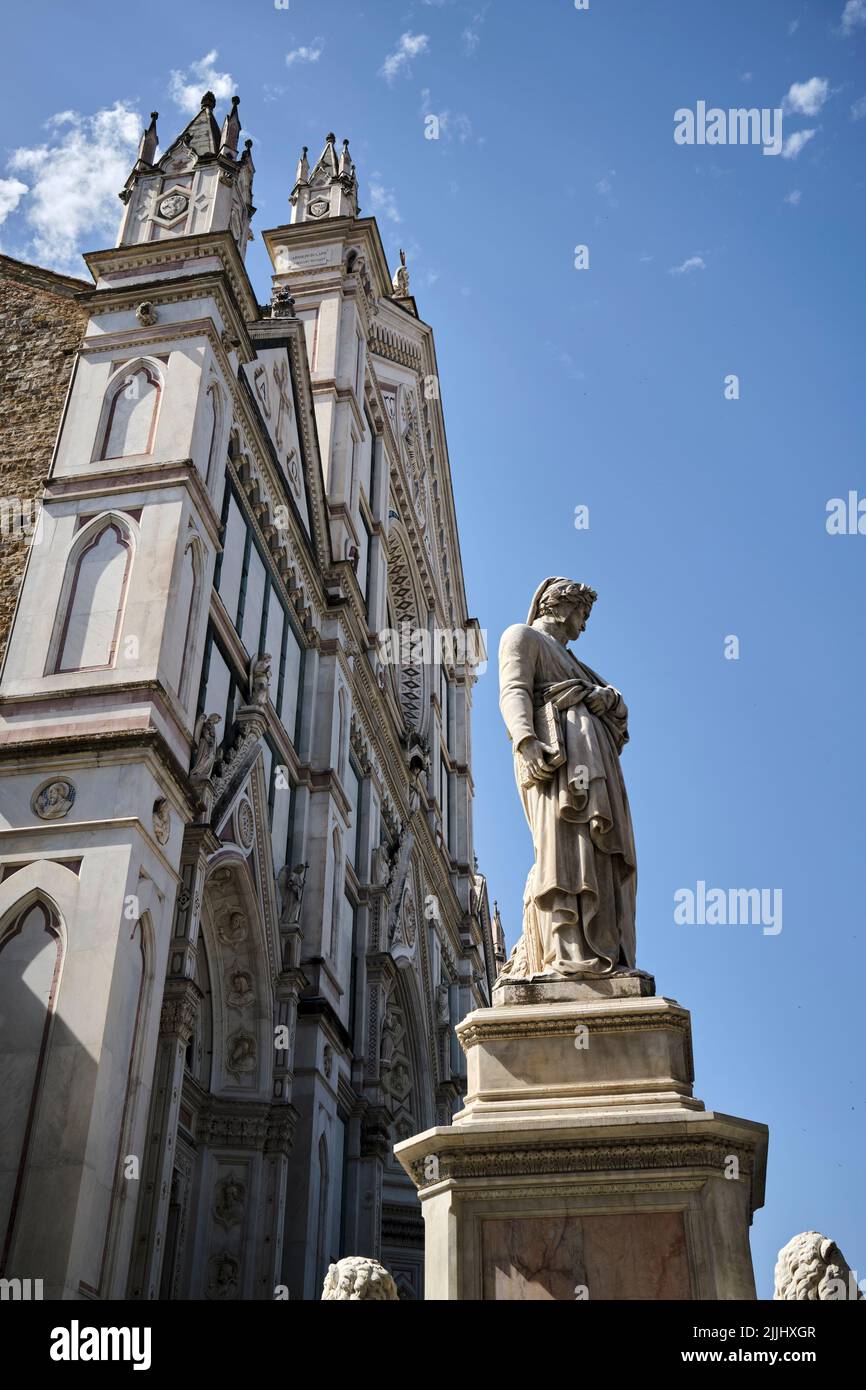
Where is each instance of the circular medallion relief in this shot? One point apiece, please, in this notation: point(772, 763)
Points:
point(245, 824)
point(172, 205)
point(54, 799)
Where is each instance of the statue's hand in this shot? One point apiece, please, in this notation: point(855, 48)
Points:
point(599, 699)
point(533, 755)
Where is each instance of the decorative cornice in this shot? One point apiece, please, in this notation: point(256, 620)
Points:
point(507, 1030)
point(632, 1155)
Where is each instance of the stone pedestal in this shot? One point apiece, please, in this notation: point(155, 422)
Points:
point(582, 1166)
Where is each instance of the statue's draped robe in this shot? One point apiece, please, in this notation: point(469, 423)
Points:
point(579, 905)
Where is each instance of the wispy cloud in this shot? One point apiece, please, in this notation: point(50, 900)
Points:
point(604, 187)
point(806, 98)
point(854, 16)
point(688, 266)
point(307, 53)
point(383, 199)
point(858, 109)
point(453, 125)
point(797, 142)
point(73, 181)
point(794, 197)
point(793, 26)
point(409, 46)
point(472, 33)
point(187, 93)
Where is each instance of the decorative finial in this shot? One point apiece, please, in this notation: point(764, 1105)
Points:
point(209, 100)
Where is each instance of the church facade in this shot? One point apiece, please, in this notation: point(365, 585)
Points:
point(240, 912)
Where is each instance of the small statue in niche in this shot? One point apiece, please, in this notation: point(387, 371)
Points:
point(290, 883)
point(204, 747)
point(260, 679)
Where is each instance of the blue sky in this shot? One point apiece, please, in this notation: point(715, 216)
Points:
point(602, 388)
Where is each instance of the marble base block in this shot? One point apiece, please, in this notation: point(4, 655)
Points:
point(582, 1165)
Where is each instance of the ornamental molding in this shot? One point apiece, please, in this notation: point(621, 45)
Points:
point(476, 1033)
point(708, 1154)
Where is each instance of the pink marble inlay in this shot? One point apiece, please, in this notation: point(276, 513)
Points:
point(635, 1255)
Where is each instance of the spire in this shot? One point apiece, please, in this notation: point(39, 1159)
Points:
point(149, 141)
point(330, 189)
point(231, 130)
point(499, 948)
point(199, 184)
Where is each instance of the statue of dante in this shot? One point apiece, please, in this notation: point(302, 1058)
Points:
point(568, 729)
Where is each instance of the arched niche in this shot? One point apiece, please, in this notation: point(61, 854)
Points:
point(31, 957)
point(93, 596)
point(130, 410)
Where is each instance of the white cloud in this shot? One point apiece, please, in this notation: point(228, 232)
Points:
point(187, 94)
point(74, 181)
point(746, 76)
point(11, 193)
point(604, 187)
point(796, 142)
point(858, 109)
point(693, 263)
point(383, 200)
point(409, 46)
point(472, 33)
point(793, 26)
point(453, 125)
point(854, 16)
point(806, 98)
point(794, 197)
point(307, 53)
point(645, 260)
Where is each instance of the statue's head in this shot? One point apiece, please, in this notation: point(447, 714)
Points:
point(813, 1267)
point(563, 601)
point(355, 1279)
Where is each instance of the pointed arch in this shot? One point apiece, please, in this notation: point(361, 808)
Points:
point(93, 596)
point(190, 598)
point(32, 942)
point(216, 406)
point(130, 410)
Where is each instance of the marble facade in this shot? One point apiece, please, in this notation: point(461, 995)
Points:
point(239, 906)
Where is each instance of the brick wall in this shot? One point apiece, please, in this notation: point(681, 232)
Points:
point(40, 327)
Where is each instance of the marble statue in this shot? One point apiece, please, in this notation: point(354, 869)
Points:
point(812, 1268)
point(356, 1278)
point(568, 728)
point(204, 747)
point(290, 883)
point(260, 679)
point(401, 278)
